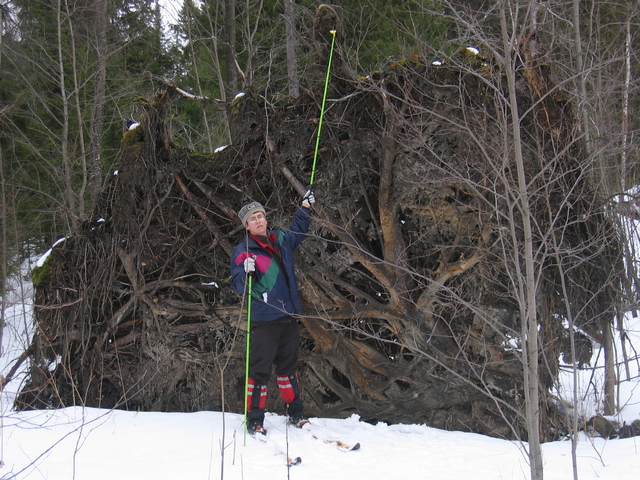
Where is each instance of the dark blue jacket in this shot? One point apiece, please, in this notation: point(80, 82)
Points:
point(274, 286)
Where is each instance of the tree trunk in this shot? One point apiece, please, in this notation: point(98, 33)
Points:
point(3, 221)
point(67, 163)
point(528, 286)
point(582, 81)
point(610, 377)
point(97, 118)
point(291, 35)
point(230, 47)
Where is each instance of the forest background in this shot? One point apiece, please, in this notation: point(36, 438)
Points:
point(72, 72)
point(76, 75)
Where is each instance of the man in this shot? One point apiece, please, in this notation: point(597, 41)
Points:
point(275, 339)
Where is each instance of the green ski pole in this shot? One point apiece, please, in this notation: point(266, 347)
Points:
point(324, 100)
point(248, 349)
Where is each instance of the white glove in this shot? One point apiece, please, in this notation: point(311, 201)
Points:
point(250, 264)
point(309, 199)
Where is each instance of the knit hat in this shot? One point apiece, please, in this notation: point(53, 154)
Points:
point(249, 209)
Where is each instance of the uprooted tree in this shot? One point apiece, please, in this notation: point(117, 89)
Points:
point(410, 276)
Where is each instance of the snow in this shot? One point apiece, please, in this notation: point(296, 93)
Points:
point(94, 444)
point(40, 262)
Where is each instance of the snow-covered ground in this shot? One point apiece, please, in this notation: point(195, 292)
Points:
point(92, 444)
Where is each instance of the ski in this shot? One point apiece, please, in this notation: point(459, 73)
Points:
point(329, 439)
point(339, 444)
point(262, 437)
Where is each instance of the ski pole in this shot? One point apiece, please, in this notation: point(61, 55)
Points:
point(248, 349)
point(324, 100)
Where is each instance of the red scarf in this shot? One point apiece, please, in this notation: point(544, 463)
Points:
point(270, 247)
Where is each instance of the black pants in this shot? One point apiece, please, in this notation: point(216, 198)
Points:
point(274, 343)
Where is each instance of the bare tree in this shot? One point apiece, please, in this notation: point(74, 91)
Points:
point(4, 252)
point(69, 190)
point(230, 47)
point(3, 210)
point(527, 285)
point(99, 98)
point(291, 42)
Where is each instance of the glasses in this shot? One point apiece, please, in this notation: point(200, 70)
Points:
point(256, 219)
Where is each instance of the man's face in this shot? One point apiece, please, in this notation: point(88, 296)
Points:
point(257, 224)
